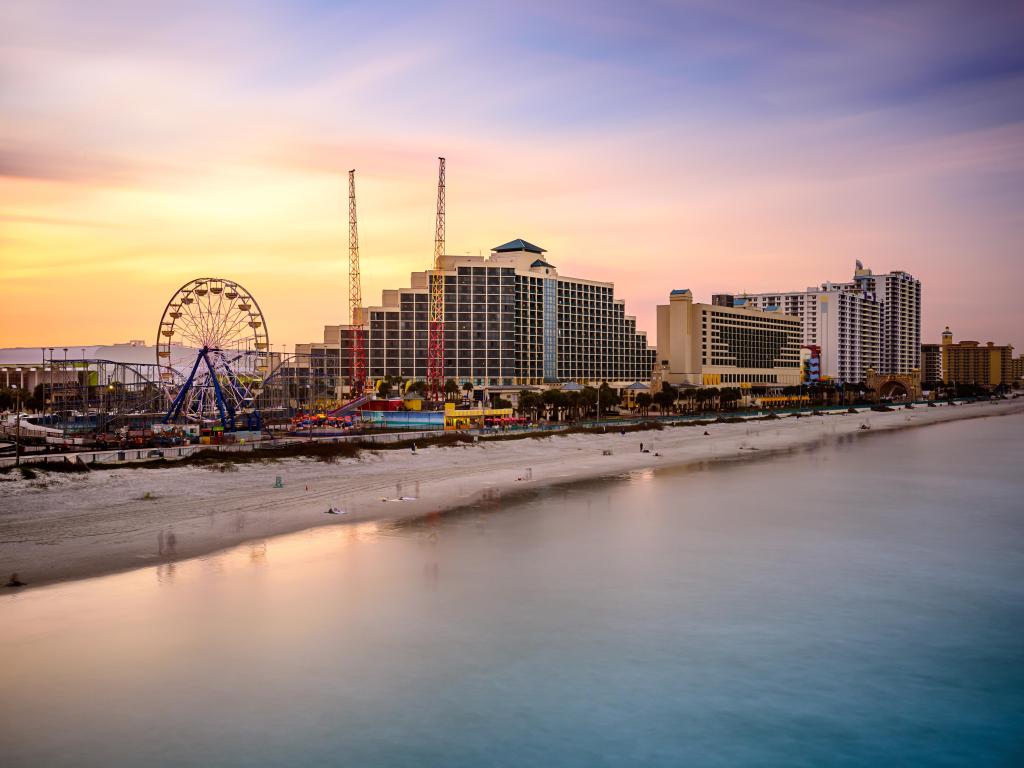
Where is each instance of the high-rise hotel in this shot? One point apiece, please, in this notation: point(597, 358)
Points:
point(510, 319)
point(720, 344)
point(873, 321)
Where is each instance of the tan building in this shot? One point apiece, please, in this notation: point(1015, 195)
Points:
point(710, 345)
point(968, 362)
point(1017, 368)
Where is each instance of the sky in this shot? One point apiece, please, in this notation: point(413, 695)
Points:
point(711, 145)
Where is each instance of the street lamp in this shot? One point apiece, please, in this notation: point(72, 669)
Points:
point(42, 380)
point(83, 383)
point(64, 396)
point(51, 380)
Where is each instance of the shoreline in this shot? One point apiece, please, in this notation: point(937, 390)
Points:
point(61, 527)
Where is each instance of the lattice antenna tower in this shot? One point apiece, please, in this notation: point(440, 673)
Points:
point(435, 336)
point(355, 295)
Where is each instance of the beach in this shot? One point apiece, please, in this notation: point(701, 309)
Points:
point(57, 527)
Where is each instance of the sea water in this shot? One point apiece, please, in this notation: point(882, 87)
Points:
point(860, 603)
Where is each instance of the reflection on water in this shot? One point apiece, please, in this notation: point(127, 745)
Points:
point(858, 604)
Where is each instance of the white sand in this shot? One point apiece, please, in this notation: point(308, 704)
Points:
point(62, 526)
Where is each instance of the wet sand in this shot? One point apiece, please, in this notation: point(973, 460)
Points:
point(67, 526)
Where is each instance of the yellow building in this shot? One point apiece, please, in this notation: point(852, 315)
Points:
point(722, 346)
point(968, 362)
point(472, 418)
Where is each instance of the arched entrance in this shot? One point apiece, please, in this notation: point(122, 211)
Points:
point(893, 390)
point(895, 386)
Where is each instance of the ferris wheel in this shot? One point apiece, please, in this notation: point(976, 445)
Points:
point(213, 353)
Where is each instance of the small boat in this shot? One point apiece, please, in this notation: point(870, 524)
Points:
point(335, 511)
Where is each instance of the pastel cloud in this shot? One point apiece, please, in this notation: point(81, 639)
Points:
point(709, 145)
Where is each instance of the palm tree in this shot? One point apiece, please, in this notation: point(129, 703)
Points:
point(686, 397)
point(554, 400)
point(573, 403)
point(643, 402)
point(451, 390)
point(610, 399)
point(529, 402)
point(727, 396)
point(588, 399)
point(665, 399)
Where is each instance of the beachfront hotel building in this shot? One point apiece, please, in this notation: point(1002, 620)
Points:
point(1017, 369)
point(969, 362)
point(510, 319)
point(931, 362)
point(721, 346)
point(870, 322)
point(844, 324)
point(899, 293)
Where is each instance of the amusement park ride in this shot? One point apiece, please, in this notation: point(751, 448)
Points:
point(435, 327)
point(355, 296)
point(222, 322)
point(228, 375)
point(215, 371)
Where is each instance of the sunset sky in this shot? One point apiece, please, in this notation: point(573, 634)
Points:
point(708, 145)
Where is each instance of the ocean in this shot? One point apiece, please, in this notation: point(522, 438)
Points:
point(858, 603)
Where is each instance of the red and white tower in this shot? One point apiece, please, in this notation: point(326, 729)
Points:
point(435, 329)
point(355, 295)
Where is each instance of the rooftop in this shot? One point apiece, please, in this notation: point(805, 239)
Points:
point(518, 245)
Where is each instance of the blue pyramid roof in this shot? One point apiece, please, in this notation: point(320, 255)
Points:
point(518, 245)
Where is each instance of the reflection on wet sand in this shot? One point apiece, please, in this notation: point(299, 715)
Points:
point(167, 543)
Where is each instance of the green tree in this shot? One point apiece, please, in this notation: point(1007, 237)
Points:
point(451, 390)
point(8, 398)
point(37, 400)
point(554, 401)
point(665, 399)
point(529, 403)
point(610, 398)
point(729, 396)
point(588, 400)
point(707, 397)
point(643, 402)
point(573, 404)
point(684, 399)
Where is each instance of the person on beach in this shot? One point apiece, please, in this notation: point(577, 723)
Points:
point(15, 581)
point(641, 447)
